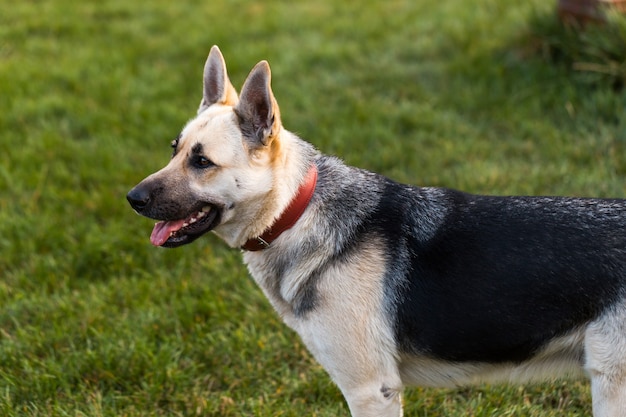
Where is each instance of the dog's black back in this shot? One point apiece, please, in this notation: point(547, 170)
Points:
point(499, 276)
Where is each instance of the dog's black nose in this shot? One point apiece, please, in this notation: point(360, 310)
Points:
point(139, 198)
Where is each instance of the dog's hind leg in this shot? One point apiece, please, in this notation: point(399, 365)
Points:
point(605, 351)
point(609, 398)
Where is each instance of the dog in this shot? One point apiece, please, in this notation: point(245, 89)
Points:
point(389, 284)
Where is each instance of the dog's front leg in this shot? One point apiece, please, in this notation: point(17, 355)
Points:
point(349, 331)
point(359, 355)
point(360, 362)
point(374, 400)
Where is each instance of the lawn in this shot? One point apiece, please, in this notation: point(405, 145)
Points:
point(481, 95)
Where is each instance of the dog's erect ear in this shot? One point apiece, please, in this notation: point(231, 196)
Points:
point(217, 86)
point(257, 108)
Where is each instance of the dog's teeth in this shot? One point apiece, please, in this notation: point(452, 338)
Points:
point(206, 209)
point(185, 224)
point(192, 220)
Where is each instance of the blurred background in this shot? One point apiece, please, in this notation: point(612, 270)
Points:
point(481, 95)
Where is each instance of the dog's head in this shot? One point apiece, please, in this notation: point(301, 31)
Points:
point(222, 172)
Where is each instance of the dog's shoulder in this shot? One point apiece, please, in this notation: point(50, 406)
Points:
point(364, 202)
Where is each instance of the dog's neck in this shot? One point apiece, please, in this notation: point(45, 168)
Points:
point(289, 216)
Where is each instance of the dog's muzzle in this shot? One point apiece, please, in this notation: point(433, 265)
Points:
point(179, 224)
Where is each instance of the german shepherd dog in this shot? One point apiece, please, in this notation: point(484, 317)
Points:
point(390, 284)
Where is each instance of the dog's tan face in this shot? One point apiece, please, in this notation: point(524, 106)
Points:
point(221, 173)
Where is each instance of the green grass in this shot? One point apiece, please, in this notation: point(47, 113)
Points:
point(482, 95)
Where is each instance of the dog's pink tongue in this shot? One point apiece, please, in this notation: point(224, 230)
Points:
point(163, 230)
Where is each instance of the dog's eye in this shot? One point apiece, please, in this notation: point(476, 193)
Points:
point(200, 161)
point(174, 145)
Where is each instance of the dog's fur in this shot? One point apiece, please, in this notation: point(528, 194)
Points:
point(390, 284)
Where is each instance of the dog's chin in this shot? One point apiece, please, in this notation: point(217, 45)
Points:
point(191, 231)
point(179, 240)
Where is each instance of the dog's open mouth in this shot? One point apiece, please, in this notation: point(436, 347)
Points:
point(174, 233)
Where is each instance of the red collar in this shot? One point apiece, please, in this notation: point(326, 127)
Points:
point(289, 217)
